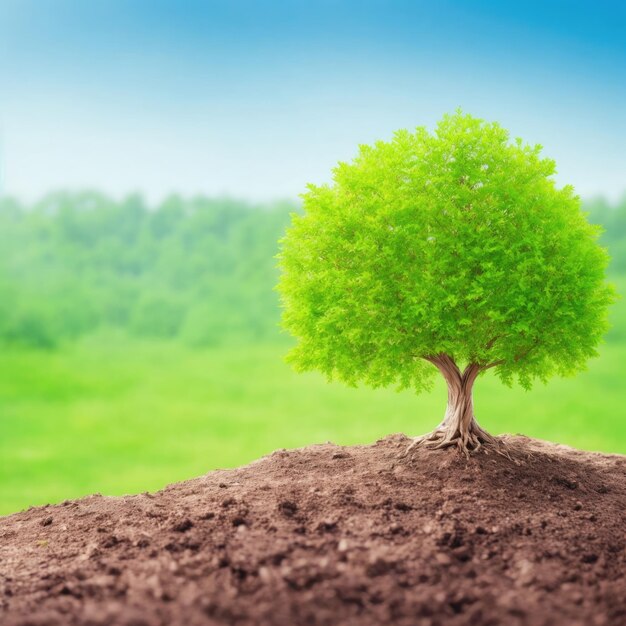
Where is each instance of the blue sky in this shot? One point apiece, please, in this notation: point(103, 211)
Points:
point(255, 99)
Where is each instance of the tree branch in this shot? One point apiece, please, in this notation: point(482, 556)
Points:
point(445, 364)
point(492, 341)
point(493, 364)
point(516, 358)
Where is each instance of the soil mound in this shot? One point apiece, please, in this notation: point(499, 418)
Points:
point(331, 535)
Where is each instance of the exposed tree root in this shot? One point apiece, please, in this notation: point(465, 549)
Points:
point(466, 443)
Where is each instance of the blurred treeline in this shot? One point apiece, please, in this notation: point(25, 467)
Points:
point(200, 270)
point(612, 218)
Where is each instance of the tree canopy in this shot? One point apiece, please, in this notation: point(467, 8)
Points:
point(455, 242)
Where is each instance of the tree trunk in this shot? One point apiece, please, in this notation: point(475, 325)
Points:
point(459, 426)
point(459, 420)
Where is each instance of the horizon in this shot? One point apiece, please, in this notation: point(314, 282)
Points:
point(269, 203)
point(254, 100)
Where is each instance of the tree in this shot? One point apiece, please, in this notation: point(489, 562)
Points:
point(452, 251)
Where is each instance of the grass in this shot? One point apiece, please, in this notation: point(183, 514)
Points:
point(115, 416)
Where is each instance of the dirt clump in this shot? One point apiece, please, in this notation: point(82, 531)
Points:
point(330, 535)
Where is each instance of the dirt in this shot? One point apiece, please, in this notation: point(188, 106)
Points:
point(331, 535)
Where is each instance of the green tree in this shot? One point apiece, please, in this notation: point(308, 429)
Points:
point(452, 251)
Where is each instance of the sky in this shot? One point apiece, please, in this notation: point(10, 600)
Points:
point(255, 99)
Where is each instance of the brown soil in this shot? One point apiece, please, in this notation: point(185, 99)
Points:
point(331, 535)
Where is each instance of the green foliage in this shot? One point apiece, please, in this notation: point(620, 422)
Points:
point(455, 242)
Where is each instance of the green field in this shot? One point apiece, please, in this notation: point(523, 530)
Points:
point(116, 415)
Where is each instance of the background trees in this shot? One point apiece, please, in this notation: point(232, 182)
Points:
point(195, 270)
point(200, 270)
